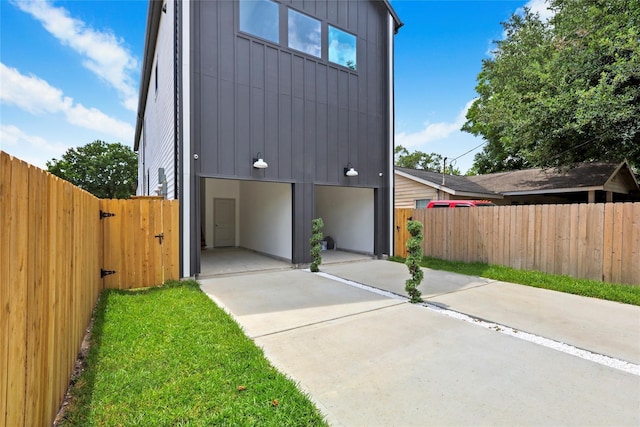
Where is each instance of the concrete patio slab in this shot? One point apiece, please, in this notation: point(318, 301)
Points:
point(391, 276)
point(603, 327)
point(367, 359)
point(407, 366)
point(277, 301)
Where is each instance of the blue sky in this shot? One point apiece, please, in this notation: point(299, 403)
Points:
point(69, 72)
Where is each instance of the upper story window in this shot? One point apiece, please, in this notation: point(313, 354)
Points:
point(305, 33)
point(342, 48)
point(260, 18)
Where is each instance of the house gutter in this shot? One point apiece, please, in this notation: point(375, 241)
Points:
point(391, 215)
point(397, 23)
point(153, 25)
point(185, 148)
point(554, 191)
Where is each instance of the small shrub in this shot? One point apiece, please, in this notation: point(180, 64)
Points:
point(414, 257)
point(316, 243)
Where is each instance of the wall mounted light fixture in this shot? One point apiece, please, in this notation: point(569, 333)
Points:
point(259, 163)
point(350, 171)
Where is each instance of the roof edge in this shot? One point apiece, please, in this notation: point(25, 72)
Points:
point(617, 170)
point(554, 191)
point(394, 15)
point(151, 35)
point(448, 189)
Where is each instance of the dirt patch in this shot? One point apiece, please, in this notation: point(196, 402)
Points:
point(79, 367)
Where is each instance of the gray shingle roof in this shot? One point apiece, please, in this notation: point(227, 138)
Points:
point(583, 175)
point(453, 182)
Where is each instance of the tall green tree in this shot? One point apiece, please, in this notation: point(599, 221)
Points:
point(562, 91)
point(419, 160)
point(108, 171)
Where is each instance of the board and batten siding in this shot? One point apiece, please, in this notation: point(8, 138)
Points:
point(157, 148)
point(307, 116)
point(408, 191)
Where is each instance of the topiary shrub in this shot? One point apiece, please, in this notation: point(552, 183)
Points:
point(316, 243)
point(414, 256)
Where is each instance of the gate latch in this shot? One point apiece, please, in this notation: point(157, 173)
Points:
point(104, 272)
point(104, 214)
point(160, 237)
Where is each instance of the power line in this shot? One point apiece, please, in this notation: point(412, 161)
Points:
point(474, 148)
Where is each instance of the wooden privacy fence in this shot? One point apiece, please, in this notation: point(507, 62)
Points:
point(53, 248)
point(590, 241)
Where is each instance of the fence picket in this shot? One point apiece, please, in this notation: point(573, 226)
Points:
point(17, 287)
point(5, 265)
point(591, 241)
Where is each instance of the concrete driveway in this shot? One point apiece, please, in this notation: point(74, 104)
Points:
point(369, 358)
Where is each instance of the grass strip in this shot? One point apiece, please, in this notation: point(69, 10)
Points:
point(169, 356)
point(627, 294)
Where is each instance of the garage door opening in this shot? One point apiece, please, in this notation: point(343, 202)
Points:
point(348, 216)
point(246, 226)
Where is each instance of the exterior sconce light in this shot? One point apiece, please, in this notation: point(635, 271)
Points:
point(259, 163)
point(350, 171)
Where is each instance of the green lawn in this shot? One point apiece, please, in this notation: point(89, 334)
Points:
point(169, 356)
point(591, 288)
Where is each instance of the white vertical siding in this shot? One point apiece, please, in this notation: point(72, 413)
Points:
point(157, 145)
point(142, 177)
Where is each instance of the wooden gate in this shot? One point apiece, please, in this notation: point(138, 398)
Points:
point(140, 242)
point(401, 235)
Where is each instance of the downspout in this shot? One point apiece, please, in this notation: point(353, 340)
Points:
point(391, 136)
point(185, 152)
point(177, 88)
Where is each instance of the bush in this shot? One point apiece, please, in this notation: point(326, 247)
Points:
point(316, 243)
point(414, 257)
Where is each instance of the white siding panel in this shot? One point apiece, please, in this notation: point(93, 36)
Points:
point(142, 178)
point(158, 142)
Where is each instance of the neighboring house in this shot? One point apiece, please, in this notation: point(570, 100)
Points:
point(596, 182)
point(416, 188)
point(252, 112)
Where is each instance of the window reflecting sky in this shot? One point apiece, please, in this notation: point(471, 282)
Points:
point(304, 33)
point(342, 48)
point(260, 18)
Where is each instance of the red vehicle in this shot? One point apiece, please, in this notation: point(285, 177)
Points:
point(458, 203)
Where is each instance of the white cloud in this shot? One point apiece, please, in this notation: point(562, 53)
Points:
point(94, 119)
point(104, 54)
point(36, 96)
point(433, 131)
point(541, 7)
point(30, 93)
point(30, 148)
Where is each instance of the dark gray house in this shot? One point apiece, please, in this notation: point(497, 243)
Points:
point(260, 115)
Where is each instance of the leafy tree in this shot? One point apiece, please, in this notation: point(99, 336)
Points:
point(562, 91)
point(108, 171)
point(420, 160)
